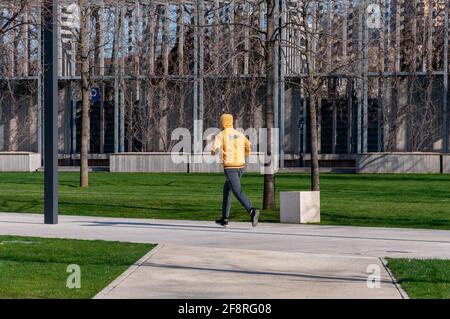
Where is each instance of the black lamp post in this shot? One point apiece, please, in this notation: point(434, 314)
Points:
point(50, 81)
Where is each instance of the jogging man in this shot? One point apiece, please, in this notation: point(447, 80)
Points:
point(234, 148)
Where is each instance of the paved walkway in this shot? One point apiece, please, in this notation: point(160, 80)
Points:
point(334, 240)
point(175, 271)
point(199, 259)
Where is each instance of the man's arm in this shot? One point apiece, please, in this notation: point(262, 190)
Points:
point(248, 148)
point(217, 144)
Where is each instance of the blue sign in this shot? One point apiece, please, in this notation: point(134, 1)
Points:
point(95, 95)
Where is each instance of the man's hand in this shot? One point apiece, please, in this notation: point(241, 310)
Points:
point(212, 141)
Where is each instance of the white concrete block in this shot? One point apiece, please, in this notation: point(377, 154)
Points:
point(446, 163)
point(299, 207)
point(19, 161)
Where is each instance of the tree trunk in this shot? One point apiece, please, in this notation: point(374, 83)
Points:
point(315, 173)
point(313, 85)
point(85, 93)
point(269, 177)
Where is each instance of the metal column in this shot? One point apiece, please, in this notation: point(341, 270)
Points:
point(445, 97)
point(101, 58)
point(334, 116)
point(360, 81)
point(276, 71)
point(117, 39)
point(382, 80)
point(116, 113)
point(122, 109)
point(281, 87)
point(73, 102)
point(123, 12)
point(50, 63)
point(195, 95)
point(305, 126)
point(350, 116)
point(39, 85)
point(365, 102)
point(201, 57)
point(379, 116)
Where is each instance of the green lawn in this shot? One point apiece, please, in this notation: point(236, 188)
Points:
point(37, 267)
point(423, 279)
point(419, 201)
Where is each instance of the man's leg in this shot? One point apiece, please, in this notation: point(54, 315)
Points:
point(226, 203)
point(234, 181)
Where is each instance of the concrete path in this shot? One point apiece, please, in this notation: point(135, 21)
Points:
point(174, 271)
point(334, 240)
point(200, 260)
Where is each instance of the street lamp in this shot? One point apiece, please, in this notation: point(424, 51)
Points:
point(50, 81)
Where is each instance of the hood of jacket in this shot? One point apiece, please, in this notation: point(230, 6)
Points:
point(226, 121)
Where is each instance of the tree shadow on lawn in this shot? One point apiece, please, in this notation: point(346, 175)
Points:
point(127, 206)
point(63, 261)
point(21, 206)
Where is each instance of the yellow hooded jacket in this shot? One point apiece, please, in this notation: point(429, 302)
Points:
point(232, 144)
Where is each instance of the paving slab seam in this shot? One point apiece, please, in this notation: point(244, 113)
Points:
point(400, 290)
point(116, 282)
point(306, 253)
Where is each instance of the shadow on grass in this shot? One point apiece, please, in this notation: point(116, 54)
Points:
point(120, 207)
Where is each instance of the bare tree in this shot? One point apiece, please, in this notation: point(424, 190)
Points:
point(14, 50)
point(85, 91)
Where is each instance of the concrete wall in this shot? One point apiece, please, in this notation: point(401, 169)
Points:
point(206, 163)
point(398, 163)
point(163, 163)
point(146, 162)
point(19, 162)
point(211, 166)
point(446, 163)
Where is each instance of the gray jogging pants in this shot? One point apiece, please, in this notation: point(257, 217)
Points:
point(233, 183)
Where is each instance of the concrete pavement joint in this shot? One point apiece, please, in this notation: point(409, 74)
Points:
point(108, 289)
